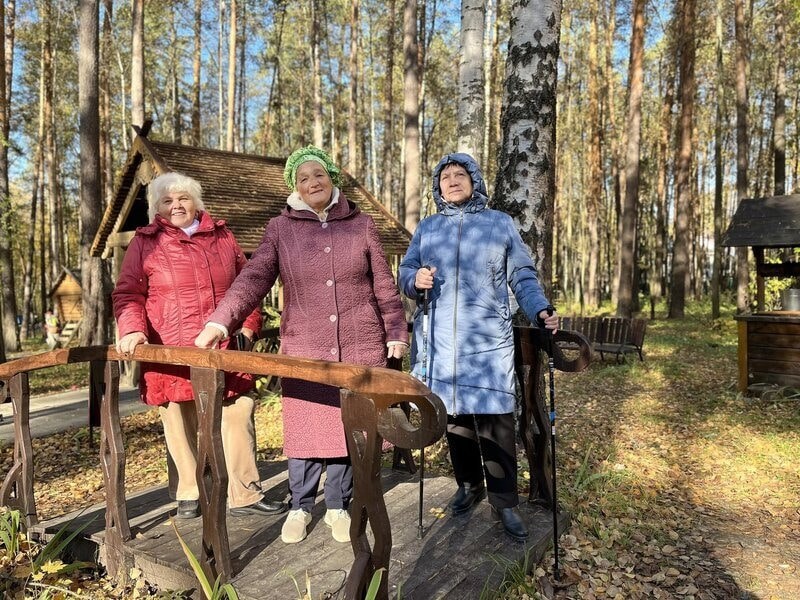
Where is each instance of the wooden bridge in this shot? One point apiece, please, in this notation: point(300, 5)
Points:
point(373, 403)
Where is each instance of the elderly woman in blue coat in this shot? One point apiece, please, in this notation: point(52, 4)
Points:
point(466, 257)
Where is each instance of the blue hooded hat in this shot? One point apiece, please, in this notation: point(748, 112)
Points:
point(480, 198)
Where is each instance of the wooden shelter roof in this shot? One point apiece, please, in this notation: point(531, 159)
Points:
point(765, 222)
point(245, 190)
point(65, 272)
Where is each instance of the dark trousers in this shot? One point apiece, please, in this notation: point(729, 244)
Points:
point(304, 476)
point(483, 447)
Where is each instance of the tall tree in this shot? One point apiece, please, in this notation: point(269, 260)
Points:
point(388, 126)
point(316, 72)
point(231, 78)
point(595, 158)
point(9, 306)
point(525, 186)
point(137, 63)
point(106, 121)
point(716, 267)
point(630, 208)
point(410, 210)
point(779, 123)
point(683, 162)
point(196, 66)
point(94, 281)
point(471, 78)
point(742, 142)
point(56, 237)
point(352, 109)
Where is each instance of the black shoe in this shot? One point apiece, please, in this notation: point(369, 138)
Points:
point(188, 509)
point(466, 497)
point(262, 507)
point(512, 522)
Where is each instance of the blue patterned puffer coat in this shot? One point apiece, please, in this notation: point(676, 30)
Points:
point(478, 254)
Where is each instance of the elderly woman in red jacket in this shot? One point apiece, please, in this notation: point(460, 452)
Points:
point(340, 303)
point(175, 272)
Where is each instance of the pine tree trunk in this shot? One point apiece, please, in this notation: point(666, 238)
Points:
point(54, 201)
point(742, 144)
point(106, 149)
point(683, 162)
point(231, 78)
point(716, 267)
point(409, 211)
point(471, 79)
point(779, 122)
point(352, 108)
point(388, 125)
point(316, 74)
point(630, 207)
point(196, 65)
point(525, 186)
point(595, 170)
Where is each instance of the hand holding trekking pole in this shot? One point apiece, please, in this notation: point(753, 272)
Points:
point(425, 279)
point(551, 368)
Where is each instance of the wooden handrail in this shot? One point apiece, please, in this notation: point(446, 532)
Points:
point(370, 396)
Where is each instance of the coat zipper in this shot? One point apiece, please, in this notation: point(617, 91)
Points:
point(455, 308)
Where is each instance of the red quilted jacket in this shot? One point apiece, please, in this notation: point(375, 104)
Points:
point(168, 285)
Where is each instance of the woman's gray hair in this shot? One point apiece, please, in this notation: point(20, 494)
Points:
point(172, 182)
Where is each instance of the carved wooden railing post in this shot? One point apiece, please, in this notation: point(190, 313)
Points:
point(212, 477)
point(360, 419)
point(17, 490)
point(112, 463)
point(534, 425)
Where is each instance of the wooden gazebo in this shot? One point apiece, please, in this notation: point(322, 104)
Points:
point(769, 341)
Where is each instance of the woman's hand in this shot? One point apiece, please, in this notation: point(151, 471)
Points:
point(397, 350)
point(248, 333)
point(128, 343)
point(550, 321)
point(424, 278)
point(210, 337)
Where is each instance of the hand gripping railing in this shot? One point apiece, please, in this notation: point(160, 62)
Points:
point(369, 412)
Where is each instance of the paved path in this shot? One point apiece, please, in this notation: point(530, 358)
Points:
point(57, 412)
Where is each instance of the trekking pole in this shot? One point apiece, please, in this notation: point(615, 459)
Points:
point(551, 367)
point(425, 298)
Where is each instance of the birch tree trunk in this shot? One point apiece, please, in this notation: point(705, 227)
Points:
point(106, 149)
point(53, 196)
point(410, 208)
point(630, 207)
point(94, 278)
point(471, 78)
point(137, 63)
point(742, 143)
point(231, 78)
point(525, 186)
point(683, 162)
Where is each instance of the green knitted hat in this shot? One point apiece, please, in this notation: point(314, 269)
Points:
point(298, 157)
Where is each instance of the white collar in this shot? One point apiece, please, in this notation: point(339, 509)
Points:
point(297, 203)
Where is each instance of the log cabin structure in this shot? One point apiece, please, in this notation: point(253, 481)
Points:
point(769, 340)
point(245, 190)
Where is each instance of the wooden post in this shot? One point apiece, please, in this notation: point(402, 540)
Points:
point(742, 353)
point(212, 477)
point(17, 490)
point(112, 462)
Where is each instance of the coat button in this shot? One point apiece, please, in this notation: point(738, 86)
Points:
point(332, 318)
point(329, 283)
point(333, 351)
point(324, 225)
point(327, 250)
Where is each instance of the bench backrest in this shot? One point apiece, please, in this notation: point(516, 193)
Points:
point(607, 330)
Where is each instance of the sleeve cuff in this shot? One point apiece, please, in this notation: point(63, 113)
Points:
point(396, 343)
point(222, 328)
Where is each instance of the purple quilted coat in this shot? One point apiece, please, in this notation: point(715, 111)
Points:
point(340, 304)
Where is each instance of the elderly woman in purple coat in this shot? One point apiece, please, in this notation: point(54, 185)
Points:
point(340, 303)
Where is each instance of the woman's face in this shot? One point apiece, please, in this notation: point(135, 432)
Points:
point(178, 208)
point(455, 184)
point(314, 185)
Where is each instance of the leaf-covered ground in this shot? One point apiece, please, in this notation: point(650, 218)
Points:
point(678, 486)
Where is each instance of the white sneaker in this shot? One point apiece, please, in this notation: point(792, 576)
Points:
point(294, 528)
point(338, 519)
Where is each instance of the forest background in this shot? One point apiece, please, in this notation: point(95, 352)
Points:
point(666, 115)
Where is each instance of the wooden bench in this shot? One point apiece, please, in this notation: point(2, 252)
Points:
point(609, 335)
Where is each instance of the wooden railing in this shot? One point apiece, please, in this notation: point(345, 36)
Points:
point(370, 412)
